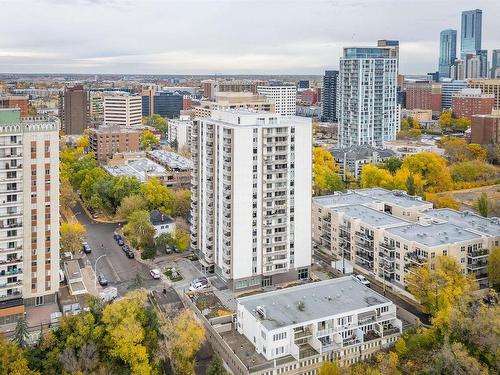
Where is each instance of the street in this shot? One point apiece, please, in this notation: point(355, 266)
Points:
point(119, 270)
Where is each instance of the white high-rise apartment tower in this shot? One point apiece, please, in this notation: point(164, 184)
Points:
point(251, 197)
point(284, 97)
point(122, 108)
point(367, 97)
point(29, 213)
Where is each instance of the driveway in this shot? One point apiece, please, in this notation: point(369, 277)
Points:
point(119, 270)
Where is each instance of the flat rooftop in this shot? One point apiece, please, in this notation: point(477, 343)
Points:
point(467, 220)
point(138, 168)
point(344, 199)
point(371, 216)
point(395, 197)
point(433, 234)
point(172, 160)
point(320, 300)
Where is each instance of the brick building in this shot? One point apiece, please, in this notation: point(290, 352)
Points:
point(108, 140)
point(20, 102)
point(423, 95)
point(485, 129)
point(487, 86)
point(471, 102)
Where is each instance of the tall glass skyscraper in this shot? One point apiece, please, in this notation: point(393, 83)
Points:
point(447, 51)
point(472, 21)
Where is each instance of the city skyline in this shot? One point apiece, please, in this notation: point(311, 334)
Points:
point(192, 43)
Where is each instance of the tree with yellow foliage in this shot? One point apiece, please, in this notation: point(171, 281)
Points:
point(373, 176)
point(439, 289)
point(12, 359)
point(477, 151)
point(129, 328)
point(72, 235)
point(433, 169)
point(326, 178)
point(329, 368)
point(183, 338)
point(442, 200)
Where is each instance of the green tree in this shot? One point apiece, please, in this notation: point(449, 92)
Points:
point(130, 204)
point(216, 367)
point(21, 334)
point(164, 240)
point(410, 185)
point(482, 204)
point(124, 186)
point(183, 339)
point(158, 122)
point(392, 164)
point(148, 140)
point(139, 229)
point(494, 267)
point(72, 236)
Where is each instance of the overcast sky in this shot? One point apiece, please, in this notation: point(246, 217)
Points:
point(223, 36)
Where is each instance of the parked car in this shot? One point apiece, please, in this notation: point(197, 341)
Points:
point(199, 283)
point(86, 248)
point(362, 280)
point(130, 254)
point(155, 273)
point(109, 294)
point(117, 237)
point(125, 248)
point(120, 242)
point(102, 280)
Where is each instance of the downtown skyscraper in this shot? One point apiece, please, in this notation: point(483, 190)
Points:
point(367, 103)
point(470, 43)
point(447, 52)
point(470, 38)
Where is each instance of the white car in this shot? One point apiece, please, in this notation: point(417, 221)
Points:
point(363, 280)
point(200, 283)
point(155, 273)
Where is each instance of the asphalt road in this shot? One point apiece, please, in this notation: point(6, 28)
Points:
point(119, 270)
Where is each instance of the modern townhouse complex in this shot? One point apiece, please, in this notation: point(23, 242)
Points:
point(122, 108)
point(385, 234)
point(251, 196)
point(368, 112)
point(29, 213)
point(284, 98)
point(334, 320)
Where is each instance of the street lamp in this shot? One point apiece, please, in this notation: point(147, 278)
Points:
point(95, 270)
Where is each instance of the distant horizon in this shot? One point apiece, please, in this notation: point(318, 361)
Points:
point(244, 37)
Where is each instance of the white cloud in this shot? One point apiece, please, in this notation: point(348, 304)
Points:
point(224, 36)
